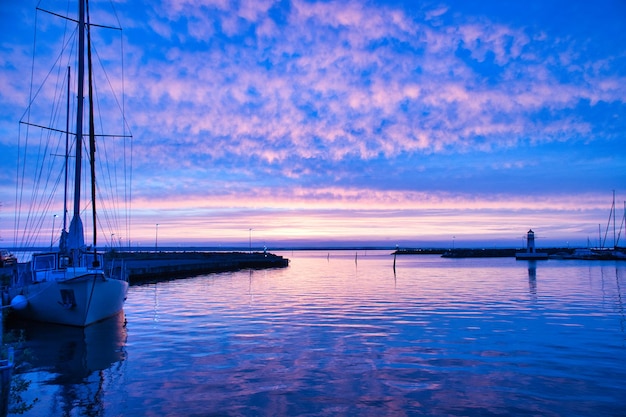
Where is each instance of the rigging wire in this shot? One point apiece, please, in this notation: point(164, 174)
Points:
point(25, 223)
point(45, 178)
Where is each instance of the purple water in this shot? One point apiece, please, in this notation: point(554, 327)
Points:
point(335, 335)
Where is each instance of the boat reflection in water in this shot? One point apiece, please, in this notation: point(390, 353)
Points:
point(73, 362)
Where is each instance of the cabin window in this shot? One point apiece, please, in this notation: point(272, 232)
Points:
point(64, 261)
point(88, 260)
point(44, 262)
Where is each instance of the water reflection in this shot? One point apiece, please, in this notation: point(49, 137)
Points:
point(532, 278)
point(75, 360)
point(326, 338)
point(619, 300)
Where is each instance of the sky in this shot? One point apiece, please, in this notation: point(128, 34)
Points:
point(430, 123)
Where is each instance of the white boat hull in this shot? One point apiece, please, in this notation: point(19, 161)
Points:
point(80, 301)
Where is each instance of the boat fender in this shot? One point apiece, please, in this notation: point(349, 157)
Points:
point(19, 302)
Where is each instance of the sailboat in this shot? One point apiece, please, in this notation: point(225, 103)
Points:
point(71, 285)
point(616, 252)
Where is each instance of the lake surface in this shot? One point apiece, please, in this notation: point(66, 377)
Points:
point(336, 334)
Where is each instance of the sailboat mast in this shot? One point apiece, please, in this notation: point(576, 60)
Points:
point(67, 146)
point(92, 137)
point(613, 208)
point(76, 237)
point(79, 109)
point(621, 224)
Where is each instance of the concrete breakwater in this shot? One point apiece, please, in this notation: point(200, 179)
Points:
point(600, 254)
point(461, 252)
point(143, 267)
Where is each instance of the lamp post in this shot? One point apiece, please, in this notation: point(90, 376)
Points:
point(156, 238)
point(54, 218)
point(250, 239)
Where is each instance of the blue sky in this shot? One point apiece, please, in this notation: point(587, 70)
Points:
point(395, 122)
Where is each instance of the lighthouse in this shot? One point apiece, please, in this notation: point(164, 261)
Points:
point(530, 239)
point(531, 253)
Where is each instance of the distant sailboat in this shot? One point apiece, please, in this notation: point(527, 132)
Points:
point(71, 285)
point(612, 218)
point(615, 252)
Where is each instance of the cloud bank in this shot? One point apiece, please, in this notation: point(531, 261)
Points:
point(338, 106)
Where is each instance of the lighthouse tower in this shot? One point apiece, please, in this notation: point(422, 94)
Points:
point(531, 253)
point(530, 239)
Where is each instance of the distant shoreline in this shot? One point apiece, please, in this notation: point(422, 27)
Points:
point(425, 250)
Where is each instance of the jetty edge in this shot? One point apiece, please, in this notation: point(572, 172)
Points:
point(143, 267)
point(460, 252)
point(563, 253)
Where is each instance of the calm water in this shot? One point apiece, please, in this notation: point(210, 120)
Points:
point(335, 336)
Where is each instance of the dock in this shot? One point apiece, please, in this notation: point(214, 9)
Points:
point(142, 267)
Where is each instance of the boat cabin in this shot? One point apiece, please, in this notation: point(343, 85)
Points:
point(58, 266)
